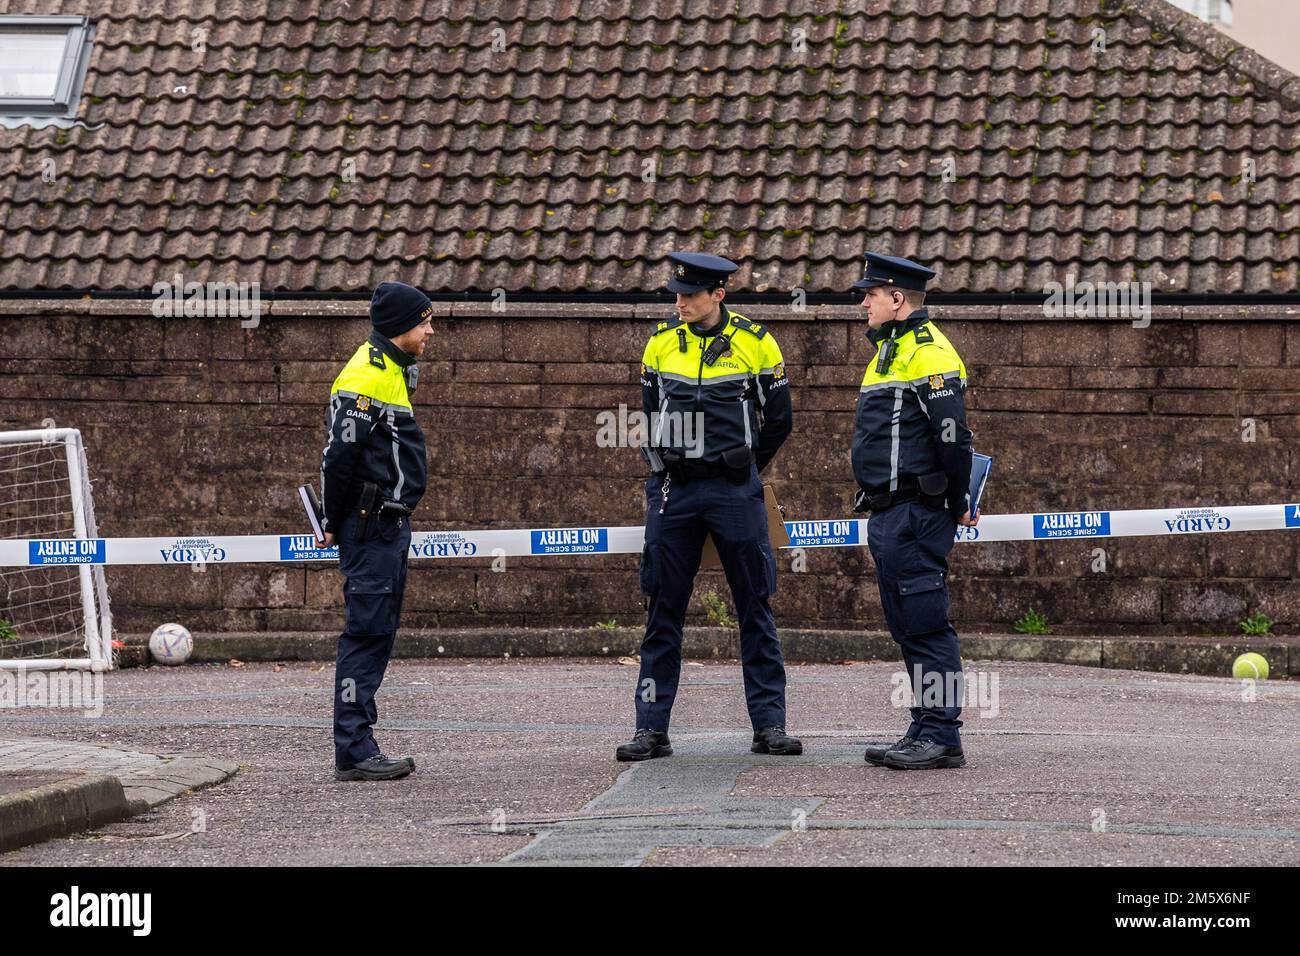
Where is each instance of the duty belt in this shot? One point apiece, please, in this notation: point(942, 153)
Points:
point(888, 499)
point(691, 470)
point(686, 469)
point(901, 495)
point(370, 508)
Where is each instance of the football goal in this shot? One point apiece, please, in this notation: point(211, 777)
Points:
point(54, 613)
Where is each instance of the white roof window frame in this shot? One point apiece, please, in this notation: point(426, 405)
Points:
point(1217, 12)
point(79, 32)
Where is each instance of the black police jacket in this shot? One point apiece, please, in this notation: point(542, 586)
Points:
point(373, 436)
point(739, 390)
point(911, 417)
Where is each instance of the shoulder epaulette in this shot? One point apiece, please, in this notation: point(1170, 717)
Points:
point(377, 357)
point(740, 322)
point(666, 325)
point(923, 334)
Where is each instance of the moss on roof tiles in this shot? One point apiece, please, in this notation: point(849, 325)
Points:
point(795, 116)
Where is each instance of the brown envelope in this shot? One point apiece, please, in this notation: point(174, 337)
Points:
point(776, 532)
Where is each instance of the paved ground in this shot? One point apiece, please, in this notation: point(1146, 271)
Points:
point(516, 765)
point(152, 778)
point(26, 780)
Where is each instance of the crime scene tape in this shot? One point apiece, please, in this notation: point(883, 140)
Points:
point(541, 542)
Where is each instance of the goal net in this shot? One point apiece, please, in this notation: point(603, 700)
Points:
point(54, 614)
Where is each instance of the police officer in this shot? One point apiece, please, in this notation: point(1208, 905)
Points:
point(372, 476)
point(912, 461)
point(714, 389)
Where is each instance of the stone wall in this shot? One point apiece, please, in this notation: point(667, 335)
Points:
point(198, 426)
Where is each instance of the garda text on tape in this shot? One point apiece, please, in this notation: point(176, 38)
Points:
point(541, 542)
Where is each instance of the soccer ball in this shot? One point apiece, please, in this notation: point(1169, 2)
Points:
point(170, 644)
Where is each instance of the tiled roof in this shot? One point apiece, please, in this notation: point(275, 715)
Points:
point(507, 144)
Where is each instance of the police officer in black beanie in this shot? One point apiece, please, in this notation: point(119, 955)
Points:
point(372, 476)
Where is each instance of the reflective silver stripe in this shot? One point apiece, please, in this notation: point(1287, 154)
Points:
point(758, 387)
point(711, 380)
point(893, 440)
point(895, 383)
point(334, 411)
point(926, 378)
point(744, 407)
point(920, 401)
point(658, 441)
point(401, 478)
point(376, 404)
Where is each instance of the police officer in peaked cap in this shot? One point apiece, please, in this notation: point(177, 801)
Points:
point(912, 461)
point(714, 389)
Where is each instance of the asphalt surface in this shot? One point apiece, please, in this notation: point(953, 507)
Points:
point(1077, 766)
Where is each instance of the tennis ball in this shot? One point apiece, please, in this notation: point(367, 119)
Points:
point(1250, 665)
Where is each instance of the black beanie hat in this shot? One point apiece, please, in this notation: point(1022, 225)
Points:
point(397, 307)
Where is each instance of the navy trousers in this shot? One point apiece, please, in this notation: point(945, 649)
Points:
point(374, 573)
point(736, 517)
point(910, 545)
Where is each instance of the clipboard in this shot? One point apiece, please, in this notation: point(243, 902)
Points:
point(310, 504)
point(776, 532)
point(979, 476)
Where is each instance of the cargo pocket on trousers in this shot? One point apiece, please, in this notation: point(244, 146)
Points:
point(762, 571)
point(647, 570)
point(924, 601)
point(370, 606)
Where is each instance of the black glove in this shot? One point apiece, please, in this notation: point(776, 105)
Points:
point(860, 501)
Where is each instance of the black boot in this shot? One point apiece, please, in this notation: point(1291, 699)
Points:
point(645, 745)
point(924, 754)
point(377, 767)
point(875, 754)
point(774, 740)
